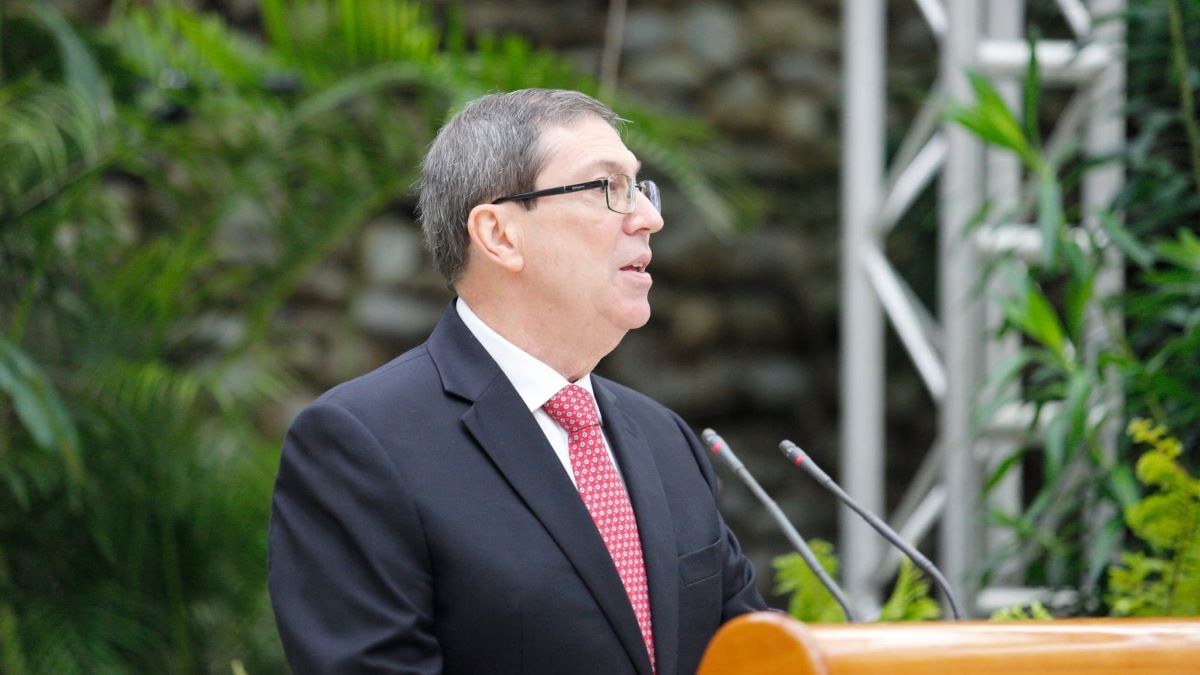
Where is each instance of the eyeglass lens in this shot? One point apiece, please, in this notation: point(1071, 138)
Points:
point(621, 193)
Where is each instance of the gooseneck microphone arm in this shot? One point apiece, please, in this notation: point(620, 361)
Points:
point(802, 460)
point(719, 447)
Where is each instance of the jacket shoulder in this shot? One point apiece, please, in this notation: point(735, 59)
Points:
point(412, 374)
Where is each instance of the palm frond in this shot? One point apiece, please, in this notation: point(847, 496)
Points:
point(174, 47)
point(50, 136)
point(80, 70)
point(324, 38)
point(59, 636)
point(40, 410)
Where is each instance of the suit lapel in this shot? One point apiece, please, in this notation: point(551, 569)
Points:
point(508, 434)
point(655, 528)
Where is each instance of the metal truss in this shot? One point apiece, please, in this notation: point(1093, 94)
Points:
point(952, 355)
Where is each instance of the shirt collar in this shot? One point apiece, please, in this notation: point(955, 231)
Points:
point(534, 381)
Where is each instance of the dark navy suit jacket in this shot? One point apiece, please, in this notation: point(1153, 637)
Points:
point(422, 523)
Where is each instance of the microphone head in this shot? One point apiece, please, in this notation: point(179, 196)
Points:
point(793, 452)
point(801, 459)
point(720, 448)
point(712, 440)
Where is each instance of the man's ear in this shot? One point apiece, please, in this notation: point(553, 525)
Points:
point(497, 233)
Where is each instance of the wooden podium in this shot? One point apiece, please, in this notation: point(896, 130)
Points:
point(766, 643)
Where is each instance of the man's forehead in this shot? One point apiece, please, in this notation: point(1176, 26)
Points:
point(611, 166)
point(588, 146)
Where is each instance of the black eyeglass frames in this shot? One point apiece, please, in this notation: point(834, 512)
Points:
point(620, 192)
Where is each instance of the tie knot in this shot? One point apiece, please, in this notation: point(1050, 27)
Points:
point(573, 408)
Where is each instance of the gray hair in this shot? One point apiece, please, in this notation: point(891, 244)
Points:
point(490, 149)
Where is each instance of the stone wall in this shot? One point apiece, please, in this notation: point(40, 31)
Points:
point(744, 330)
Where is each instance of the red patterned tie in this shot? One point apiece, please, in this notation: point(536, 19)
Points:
point(605, 497)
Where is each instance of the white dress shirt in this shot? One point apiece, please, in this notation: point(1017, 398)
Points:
point(535, 382)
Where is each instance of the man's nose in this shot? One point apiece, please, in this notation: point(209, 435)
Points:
point(644, 216)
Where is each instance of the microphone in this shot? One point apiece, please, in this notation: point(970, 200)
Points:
point(720, 448)
point(802, 460)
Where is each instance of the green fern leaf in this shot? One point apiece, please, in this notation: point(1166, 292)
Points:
point(910, 599)
point(808, 601)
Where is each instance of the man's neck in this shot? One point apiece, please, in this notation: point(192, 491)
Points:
point(571, 350)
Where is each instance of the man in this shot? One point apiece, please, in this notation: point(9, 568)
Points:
point(467, 508)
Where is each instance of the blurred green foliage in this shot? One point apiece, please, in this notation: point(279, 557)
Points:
point(809, 601)
point(1166, 580)
point(910, 599)
point(1036, 611)
point(1149, 345)
point(807, 598)
point(1090, 358)
point(167, 184)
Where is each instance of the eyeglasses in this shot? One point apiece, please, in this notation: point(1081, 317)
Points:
point(620, 192)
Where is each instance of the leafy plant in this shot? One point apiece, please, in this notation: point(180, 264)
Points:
point(1057, 369)
point(809, 601)
point(910, 599)
point(1033, 611)
point(1165, 581)
point(1077, 345)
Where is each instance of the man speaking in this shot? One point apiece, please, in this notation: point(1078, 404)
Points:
point(482, 503)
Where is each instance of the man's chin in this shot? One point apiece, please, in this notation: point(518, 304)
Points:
point(635, 317)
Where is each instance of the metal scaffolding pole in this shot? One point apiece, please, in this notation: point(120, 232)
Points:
point(862, 317)
point(961, 195)
point(1005, 21)
point(1105, 137)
